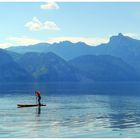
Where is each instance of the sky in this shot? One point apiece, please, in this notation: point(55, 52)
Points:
point(25, 23)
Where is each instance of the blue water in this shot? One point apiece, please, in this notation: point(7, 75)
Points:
point(84, 111)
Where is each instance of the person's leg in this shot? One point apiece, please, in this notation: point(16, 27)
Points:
point(39, 100)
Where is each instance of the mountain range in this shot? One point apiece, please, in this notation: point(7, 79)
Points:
point(117, 60)
point(121, 46)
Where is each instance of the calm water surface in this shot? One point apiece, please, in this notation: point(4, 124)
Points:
point(73, 110)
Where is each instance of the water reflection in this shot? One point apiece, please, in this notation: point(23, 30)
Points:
point(124, 112)
point(39, 110)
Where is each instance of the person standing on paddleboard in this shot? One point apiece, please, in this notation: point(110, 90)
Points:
point(38, 95)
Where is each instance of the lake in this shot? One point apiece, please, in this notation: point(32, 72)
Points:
point(91, 110)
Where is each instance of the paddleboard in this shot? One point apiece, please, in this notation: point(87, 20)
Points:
point(30, 105)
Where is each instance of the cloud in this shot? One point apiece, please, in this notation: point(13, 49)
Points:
point(131, 35)
point(34, 24)
point(5, 45)
point(50, 6)
point(50, 25)
point(19, 41)
point(16, 41)
point(87, 40)
point(25, 41)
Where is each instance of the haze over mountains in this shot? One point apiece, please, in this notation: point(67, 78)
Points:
point(117, 60)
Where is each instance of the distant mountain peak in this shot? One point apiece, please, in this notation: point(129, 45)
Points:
point(120, 35)
point(118, 39)
point(66, 41)
point(69, 43)
point(81, 43)
point(43, 43)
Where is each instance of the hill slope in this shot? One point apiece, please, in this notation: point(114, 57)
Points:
point(48, 67)
point(10, 71)
point(105, 68)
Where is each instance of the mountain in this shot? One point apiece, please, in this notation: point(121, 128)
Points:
point(10, 71)
point(48, 67)
point(45, 67)
point(105, 68)
point(41, 47)
point(65, 49)
point(119, 45)
point(124, 47)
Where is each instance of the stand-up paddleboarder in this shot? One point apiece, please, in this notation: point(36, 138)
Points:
point(38, 95)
